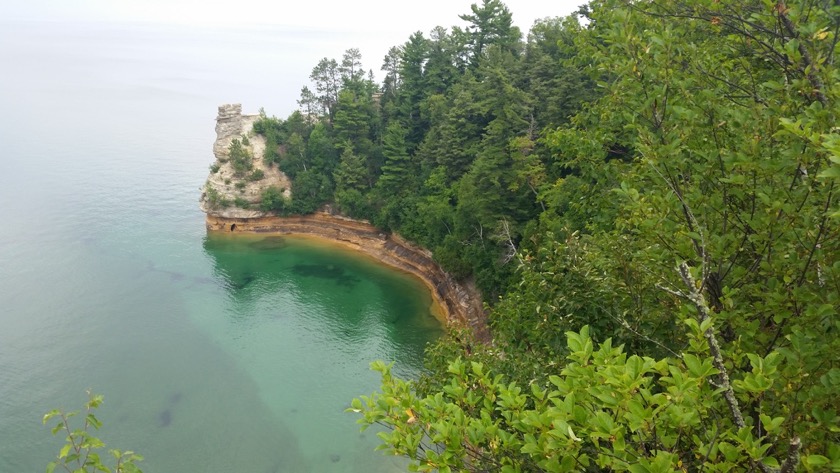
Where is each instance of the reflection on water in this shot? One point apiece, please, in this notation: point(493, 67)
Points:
point(353, 292)
point(309, 317)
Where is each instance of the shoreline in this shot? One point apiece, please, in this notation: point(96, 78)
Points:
point(458, 304)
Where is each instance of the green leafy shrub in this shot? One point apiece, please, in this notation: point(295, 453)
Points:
point(214, 168)
point(309, 192)
point(604, 410)
point(273, 200)
point(241, 203)
point(256, 175)
point(271, 155)
point(272, 128)
point(240, 158)
point(214, 198)
point(81, 452)
point(266, 125)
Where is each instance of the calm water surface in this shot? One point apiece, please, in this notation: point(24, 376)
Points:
point(215, 354)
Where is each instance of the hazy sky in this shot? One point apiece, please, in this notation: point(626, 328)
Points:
point(329, 27)
point(380, 15)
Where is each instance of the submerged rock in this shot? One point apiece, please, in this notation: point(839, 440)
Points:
point(165, 418)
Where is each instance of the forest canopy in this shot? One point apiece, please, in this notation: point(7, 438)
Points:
point(645, 193)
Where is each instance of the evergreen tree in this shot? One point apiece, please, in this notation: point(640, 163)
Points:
point(310, 190)
point(351, 67)
point(352, 181)
point(412, 91)
point(309, 104)
point(293, 159)
point(549, 73)
point(454, 140)
point(491, 23)
point(398, 172)
point(392, 65)
point(440, 70)
point(351, 173)
point(327, 79)
point(321, 150)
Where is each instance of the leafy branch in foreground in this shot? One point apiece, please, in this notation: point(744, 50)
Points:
point(80, 453)
point(605, 411)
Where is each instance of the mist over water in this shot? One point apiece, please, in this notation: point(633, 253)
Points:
point(214, 354)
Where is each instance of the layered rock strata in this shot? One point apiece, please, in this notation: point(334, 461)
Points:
point(460, 303)
point(227, 194)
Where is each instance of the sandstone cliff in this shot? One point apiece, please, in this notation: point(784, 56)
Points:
point(460, 303)
point(227, 194)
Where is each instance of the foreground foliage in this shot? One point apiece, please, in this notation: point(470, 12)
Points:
point(81, 452)
point(604, 410)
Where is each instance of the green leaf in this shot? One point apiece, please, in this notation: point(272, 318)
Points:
point(693, 364)
point(816, 460)
point(537, 392)
point(771, 462)
point(638, 468)
point(92, 420)
point(64, 450)
point(830, 173)
point(771, 425)
point(730, 452)
point(49, 415)
point(574, 342)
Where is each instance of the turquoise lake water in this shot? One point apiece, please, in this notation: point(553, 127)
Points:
point(214, 354)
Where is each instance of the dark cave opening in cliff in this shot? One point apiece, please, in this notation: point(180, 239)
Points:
point(232, 226)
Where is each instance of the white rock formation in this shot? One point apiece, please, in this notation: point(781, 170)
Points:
point(229, 189)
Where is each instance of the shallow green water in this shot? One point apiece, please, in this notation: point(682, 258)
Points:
point(215, 354)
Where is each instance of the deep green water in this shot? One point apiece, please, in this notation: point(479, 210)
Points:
point(214, 354)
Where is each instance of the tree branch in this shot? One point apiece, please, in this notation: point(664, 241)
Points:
point(696, 297)
point(809, 68)
point(699, 303)
point(792, 460)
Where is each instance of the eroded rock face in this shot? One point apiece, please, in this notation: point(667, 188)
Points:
point(459, 303)
point(226, 194)
point(228, 126)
